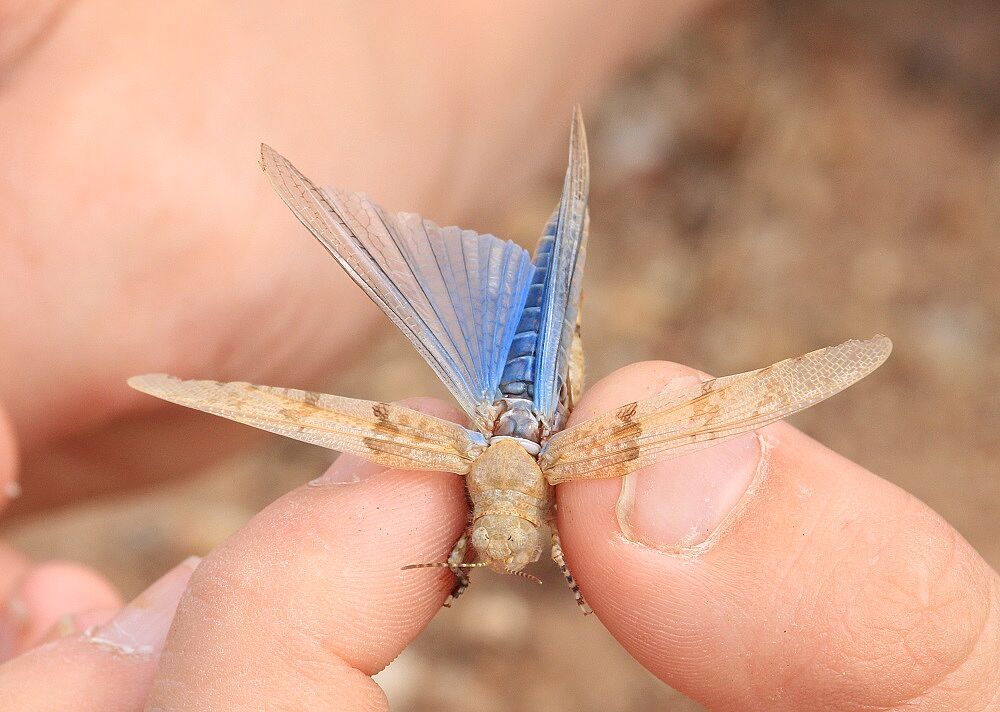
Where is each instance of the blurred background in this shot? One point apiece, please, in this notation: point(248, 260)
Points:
point(779, 177)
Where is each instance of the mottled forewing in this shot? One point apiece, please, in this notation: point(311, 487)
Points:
point(388, 434)
point(564, 280)
point(455, 294)
point(695, 416)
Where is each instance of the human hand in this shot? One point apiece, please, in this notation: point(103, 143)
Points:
point(768, 573)
point(139, 235)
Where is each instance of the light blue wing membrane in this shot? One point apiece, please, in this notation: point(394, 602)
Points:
point(564, 262)
point(455, 294)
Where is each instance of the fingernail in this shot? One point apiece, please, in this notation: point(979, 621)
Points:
point(141, 627)
point(75, 623)
point(682, 505)
point(348, 469)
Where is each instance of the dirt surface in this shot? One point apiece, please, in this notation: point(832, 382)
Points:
point(782, 177)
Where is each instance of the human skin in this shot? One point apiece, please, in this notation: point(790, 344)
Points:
point(139, 235)
point(824, 587)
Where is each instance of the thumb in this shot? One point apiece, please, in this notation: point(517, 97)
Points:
point(771, 573)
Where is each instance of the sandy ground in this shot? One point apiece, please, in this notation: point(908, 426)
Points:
point(782, 177)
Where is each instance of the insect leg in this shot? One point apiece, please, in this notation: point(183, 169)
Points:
point(557, 556)
point(576, 373)
point(457, 556)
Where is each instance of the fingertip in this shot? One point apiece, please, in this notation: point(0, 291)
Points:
point(92, 659)
point(50, 590)
point(319, 570)
point(582, 503)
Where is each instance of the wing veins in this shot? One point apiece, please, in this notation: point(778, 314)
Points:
point(674, 422)
point(392, 435)
point(361, 424)
point(409, 270)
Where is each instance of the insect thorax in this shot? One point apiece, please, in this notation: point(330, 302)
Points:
point(517, 419)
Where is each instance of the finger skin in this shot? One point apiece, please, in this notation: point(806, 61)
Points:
point(833, 589)
point(308, 600)
point(35, 597)
point(74, 675)
point(13, 566)
point(54, 589)
point(199, 200)
point(74, 623)
point(102, 670)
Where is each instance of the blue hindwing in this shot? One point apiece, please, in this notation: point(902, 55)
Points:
point(455, 294)
point(539, 357)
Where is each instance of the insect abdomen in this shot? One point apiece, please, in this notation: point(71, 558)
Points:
point(518, 379)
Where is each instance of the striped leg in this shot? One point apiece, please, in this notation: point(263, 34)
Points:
point(557, 556)
point(577, 369)
point(457, 556)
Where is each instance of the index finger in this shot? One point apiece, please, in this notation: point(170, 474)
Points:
point(307, 601)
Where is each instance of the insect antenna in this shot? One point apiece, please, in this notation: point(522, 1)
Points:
point(525, 574)
point(445, 565)
point(477, 565)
